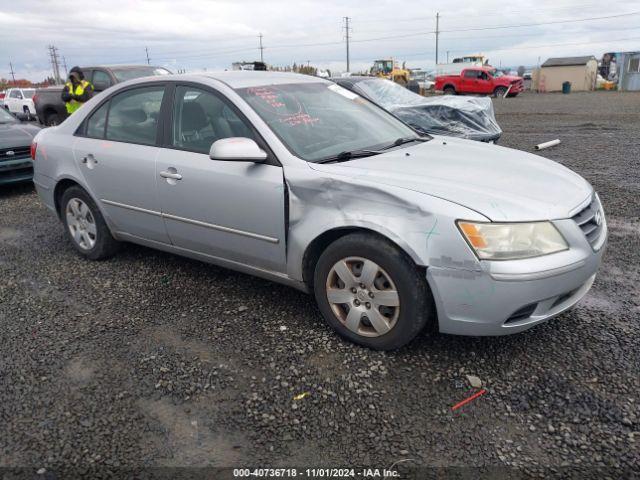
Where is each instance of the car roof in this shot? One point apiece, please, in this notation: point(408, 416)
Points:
point(236, 78)
point(120, 67)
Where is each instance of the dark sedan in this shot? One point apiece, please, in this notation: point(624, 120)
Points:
point(464, 117)
point(15, 144)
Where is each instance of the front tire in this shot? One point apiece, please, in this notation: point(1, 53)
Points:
point(499, 92)
point(371, 292)
point(85, 225)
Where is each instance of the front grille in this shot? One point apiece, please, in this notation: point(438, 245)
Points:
point(18, 152)
point(591, 221)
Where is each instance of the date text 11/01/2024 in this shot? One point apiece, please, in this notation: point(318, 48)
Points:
point(316, 472)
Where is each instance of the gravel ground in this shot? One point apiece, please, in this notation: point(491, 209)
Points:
point(151, 360)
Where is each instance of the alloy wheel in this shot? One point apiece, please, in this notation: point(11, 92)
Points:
point(363, 296)
point(81, 223)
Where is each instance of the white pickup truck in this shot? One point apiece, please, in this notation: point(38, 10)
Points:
point(19, 101)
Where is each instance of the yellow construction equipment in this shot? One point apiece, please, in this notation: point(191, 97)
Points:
point(388, 68)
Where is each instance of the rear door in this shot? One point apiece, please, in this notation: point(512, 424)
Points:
point(117, 153)
point(470, 79)
point(228, 209)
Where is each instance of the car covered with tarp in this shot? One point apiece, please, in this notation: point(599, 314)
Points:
point(464, 117)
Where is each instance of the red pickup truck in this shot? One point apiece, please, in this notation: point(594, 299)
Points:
point(482, 80)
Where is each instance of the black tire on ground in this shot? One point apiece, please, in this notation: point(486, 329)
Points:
point(51, 119)
point(105, 245)
point(499, 91)
point(511, 95)
point(449, 90)
point(415, 298)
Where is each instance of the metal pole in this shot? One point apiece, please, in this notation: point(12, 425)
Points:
point(261, 48)
point(346, 27)
point(437, 33)
point(147, 52)
point(64, 63)
point(12, 73)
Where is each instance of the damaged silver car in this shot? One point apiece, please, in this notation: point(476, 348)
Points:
point(295, 179)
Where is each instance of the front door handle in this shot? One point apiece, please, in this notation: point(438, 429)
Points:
point(171, 175)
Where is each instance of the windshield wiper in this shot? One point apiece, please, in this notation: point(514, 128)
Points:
point(402, 140)
point(348, 155)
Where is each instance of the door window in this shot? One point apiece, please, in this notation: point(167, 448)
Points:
point(200, 118)
point(96, 123)
point(471, 74)
point(15, 94)
point(101, 81)
point(133, 115)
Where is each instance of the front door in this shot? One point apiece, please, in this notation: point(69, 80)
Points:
point(117, 156)
point(228, 209)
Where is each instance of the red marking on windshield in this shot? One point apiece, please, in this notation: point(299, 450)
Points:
point(299, 119)
point(268, 95)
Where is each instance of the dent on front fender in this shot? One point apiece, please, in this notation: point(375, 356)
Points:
point(421, 225)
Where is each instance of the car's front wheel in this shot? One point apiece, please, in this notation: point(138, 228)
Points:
point(85, 225)
point(371, 293)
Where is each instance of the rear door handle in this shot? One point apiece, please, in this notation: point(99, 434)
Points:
point(89, 160)
point(171, 175)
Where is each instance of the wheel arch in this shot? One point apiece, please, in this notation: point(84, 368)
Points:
point(320, 243)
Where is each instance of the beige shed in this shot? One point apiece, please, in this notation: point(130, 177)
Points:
point(581, 72)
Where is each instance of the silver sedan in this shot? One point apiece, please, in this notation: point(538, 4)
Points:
point(297, 180)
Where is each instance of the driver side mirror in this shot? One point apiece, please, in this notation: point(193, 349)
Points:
point(100, 86)
point(237, 149)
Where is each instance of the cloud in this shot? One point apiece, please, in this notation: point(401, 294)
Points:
point(197, 34)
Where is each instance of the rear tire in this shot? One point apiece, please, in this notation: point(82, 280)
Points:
point(51, 119)
point(449, 90)
point(384, 302)
point(85, 225)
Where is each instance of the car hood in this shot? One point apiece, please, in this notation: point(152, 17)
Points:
point(511, 78)
point(16, 134)
point(500, 183)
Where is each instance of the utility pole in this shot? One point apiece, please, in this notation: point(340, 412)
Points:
point(347, 31)
point(437, 34)
point(261, 48)
point(64, 63)
point(147, 52)
point(55, 64)
point(447, 56)
point(12, 73)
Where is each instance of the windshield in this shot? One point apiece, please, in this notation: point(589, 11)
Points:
point(319, 120)
point(6, 117)
point(28, 92)
point(387, 94)
point(124, 74)
point(496, 73)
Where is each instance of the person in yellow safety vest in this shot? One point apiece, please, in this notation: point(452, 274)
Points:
point(76, 91)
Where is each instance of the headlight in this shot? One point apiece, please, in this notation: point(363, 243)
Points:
point(511, 241)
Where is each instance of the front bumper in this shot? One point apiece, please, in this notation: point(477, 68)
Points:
point(16, 170)
point(507, 297)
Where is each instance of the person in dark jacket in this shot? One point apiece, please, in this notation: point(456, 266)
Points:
point(76, 91)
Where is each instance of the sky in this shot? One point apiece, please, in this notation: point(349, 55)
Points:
point(195, 35)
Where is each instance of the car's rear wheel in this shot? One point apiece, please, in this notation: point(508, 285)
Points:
point(51, 119)
point(371, 293)
point(85, 225)
point(449, 90)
